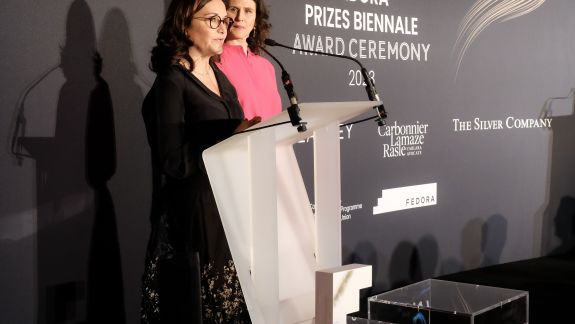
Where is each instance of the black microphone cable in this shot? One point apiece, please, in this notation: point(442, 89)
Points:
point(370, 85)
point(293, 110)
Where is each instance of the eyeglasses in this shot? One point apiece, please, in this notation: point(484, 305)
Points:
point(216, 21)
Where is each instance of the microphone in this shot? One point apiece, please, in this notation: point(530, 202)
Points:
point(370, 84)
point(293, 109)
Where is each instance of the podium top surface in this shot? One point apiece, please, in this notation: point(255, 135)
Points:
point(317, 115)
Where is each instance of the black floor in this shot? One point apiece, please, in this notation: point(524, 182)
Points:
point(549, 280)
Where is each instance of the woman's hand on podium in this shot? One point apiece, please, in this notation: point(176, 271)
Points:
point(247, 123)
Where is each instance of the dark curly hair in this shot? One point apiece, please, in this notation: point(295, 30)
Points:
point(262, 26)
point(172, 44)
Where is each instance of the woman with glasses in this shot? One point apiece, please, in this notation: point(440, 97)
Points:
point(189, 275)
point(252, 75)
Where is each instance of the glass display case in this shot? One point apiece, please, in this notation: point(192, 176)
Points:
point(446, 302)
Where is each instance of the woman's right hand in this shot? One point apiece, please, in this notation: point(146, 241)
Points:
point(245, 124)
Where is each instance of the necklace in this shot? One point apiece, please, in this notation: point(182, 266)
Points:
point(208, 79)
point(206, 72)
point(202, 73)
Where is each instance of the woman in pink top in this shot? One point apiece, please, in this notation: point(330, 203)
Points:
point(252, 75)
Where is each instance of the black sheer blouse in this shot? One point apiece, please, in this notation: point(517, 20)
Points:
point(184, 117)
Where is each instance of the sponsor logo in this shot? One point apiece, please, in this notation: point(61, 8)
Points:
point(478, 124)
point(344, 134)
point(346, 211)
point(406, 198)
point(404, 139)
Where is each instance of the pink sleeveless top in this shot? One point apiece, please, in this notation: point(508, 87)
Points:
point(254, 78)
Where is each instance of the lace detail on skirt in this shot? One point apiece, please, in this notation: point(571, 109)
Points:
point(150, 312)
point(222, 298)
point(158, 249)
point(221, 294)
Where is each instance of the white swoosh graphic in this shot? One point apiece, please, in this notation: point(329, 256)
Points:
point(484, 13)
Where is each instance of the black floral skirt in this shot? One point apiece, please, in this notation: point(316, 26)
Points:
point(189, 275)
point(171, 296)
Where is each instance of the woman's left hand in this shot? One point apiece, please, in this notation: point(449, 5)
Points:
point(245, 124)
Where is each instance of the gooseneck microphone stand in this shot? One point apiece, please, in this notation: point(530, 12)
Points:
point(293, 110)
point(370, 85)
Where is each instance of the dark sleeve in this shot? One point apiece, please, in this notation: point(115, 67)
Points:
point(176, 156)
point(225, 115)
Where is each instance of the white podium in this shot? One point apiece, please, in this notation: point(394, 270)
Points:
point(275, 239)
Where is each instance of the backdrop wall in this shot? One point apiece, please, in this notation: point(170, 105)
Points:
point(474, 168)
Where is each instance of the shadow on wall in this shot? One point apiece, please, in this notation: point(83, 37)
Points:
point(558, 232)
point(564, 222)
point(105, 284)
point(79, 276)
point(482, 244)
point(412, 263)
point(428, 256)
point(130, 186)
point(470, 250)
point(493, 239)
point(409, 263)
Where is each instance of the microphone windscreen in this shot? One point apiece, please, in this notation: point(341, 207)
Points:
point(270, 42)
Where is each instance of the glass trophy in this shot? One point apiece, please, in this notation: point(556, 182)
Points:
point(437, 301)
